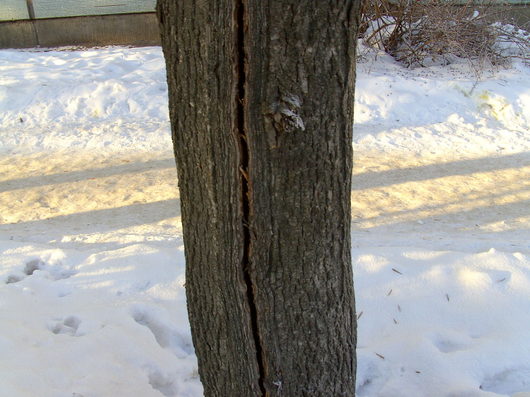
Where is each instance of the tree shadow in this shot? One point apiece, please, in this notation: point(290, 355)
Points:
point(137, 214)
point(372, 179)
point(81, 175)
point(488, 201)
point(94, 222)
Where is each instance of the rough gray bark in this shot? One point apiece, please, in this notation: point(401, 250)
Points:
point(261, 99)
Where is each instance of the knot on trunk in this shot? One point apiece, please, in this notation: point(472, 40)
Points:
point(285, 114)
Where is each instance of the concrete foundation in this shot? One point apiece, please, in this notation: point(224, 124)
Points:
point(123, 29)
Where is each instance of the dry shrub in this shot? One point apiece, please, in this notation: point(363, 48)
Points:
point(419, 33)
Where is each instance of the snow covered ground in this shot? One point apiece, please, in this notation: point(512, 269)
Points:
point(92, 300)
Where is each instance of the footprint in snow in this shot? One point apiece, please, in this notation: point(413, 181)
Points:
point(162, 383)
point(31, 266)
point(13, 278)
point(68, 325)
point(54, 272)
point(451, 343)
point(166, 336)
point(513, 381)
point(29, 269)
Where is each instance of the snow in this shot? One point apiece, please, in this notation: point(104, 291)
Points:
point(92, 264)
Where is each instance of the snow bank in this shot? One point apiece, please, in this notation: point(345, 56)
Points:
point(111, 98)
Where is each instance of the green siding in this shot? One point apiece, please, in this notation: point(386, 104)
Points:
point(71, 8)
point(17, 9)
point(13, 10)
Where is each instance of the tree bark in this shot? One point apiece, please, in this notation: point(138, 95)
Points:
point(261, 97)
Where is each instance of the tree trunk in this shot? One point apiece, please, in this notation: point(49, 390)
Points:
point(261, 99)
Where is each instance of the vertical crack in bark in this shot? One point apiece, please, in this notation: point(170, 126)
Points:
point(244, 159)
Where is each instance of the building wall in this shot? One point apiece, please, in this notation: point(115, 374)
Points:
point(11, 10)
